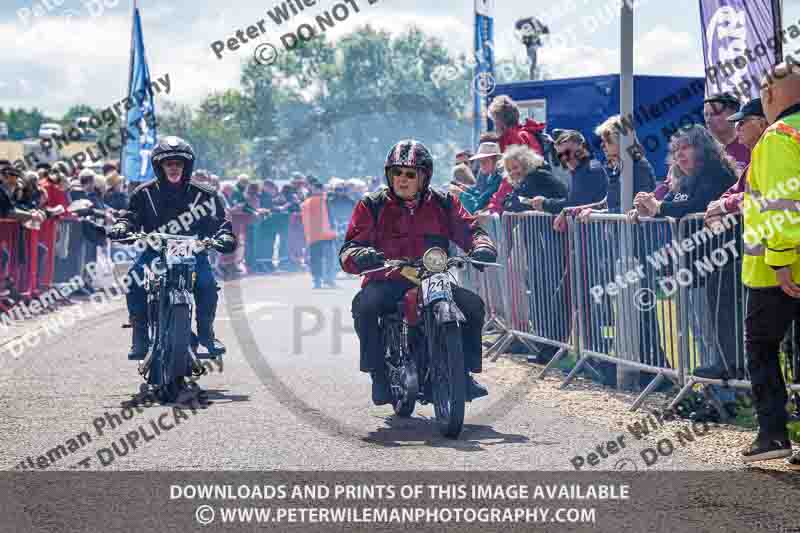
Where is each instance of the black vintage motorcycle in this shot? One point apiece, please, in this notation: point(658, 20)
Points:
point(169, 282)
point(422, 340)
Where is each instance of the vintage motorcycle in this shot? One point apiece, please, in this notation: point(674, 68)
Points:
point(169, 282)
point(422, 340)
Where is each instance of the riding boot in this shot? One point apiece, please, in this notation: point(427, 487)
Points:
point(381, 394)
point(205, 336)
point(474, 389)
point(141, 339)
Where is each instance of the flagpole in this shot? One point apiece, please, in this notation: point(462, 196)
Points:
point(124, 124)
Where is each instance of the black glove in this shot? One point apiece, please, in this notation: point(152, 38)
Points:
point(117, 232)
point(367, 258)
point(224, 245)
point(483, 254)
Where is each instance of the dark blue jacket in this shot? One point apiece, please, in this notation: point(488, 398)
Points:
point(644, 180)
point(589, 185)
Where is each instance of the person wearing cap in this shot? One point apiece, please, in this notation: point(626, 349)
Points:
point(716, 110)
point(589, 180)
point(488, 179)
point(750, 123)
point(771, 263)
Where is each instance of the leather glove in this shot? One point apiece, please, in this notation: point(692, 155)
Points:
point(368, 258)
point(483, 254)
point(117, 232)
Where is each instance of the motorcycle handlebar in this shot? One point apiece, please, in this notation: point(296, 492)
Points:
point(204, 243)
point(456, 260)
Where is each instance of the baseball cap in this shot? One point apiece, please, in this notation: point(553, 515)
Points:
point(753, 108)
point(725, 98)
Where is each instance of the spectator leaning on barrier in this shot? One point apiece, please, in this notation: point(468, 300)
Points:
point(488, 179)
point(589, 181)
point(116, 197)
point(702, 172)
point(643, 174)
point(9, 177)
point(750, 125)
point(529, 178)
point(462, 179)
point(771, 265)
point(716, 111)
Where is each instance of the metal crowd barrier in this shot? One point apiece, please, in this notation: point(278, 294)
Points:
point(714, 298)
point(660, 296)
point(625, 316)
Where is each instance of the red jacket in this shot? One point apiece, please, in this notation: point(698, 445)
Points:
point(400, 232)
point(523, 134)
point(496, 201)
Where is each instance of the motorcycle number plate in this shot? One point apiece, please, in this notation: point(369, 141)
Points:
point(179, 250)
point(436, 287)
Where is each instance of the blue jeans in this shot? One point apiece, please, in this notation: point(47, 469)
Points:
point(205, 288)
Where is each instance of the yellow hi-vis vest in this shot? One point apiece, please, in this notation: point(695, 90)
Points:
point(771, 205)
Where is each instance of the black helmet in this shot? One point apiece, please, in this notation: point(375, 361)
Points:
point(172, 148)
point(410, 153)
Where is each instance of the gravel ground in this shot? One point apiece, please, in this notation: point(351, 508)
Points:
point(602, 406)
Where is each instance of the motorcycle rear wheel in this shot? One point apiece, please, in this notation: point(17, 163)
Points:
point(449, 381)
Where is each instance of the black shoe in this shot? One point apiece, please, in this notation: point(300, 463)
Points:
point(764, 450)
point(141, 340)
point(381, 394)
point(715, 371)
point(475, 390)
point(793, 462)
point(206, 338)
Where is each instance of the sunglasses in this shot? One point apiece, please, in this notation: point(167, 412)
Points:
point(410, 174)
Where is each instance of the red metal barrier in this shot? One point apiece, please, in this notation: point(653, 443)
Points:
point(47, 236)
point(9, 238)
point(27, 270)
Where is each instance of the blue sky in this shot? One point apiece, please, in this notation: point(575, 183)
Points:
point(78, 51)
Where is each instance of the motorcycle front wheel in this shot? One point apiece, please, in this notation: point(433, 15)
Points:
point(448, 381)
point(175, 352)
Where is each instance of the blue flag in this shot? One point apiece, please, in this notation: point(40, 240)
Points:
point(739, 44)
point(140, 126)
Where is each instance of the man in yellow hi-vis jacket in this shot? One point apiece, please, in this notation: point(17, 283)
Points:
point(771, 267)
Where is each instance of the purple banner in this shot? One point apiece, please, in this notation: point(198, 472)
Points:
point(739, 44)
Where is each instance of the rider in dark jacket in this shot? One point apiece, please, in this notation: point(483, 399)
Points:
point(172, 203)
point(403, 221)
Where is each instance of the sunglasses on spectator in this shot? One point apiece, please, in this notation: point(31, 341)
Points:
point(410, 174)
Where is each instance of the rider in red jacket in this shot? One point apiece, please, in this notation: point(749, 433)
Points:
point(404, 221)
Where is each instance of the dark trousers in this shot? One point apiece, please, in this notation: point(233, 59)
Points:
point(322, 258)
point(380, 297)
point(724, 302)
point(205, 289)
point(768, 315)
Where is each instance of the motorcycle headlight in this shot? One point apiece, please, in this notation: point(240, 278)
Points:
point(435, 260)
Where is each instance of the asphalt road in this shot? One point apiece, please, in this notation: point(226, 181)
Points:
point(289, 396)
